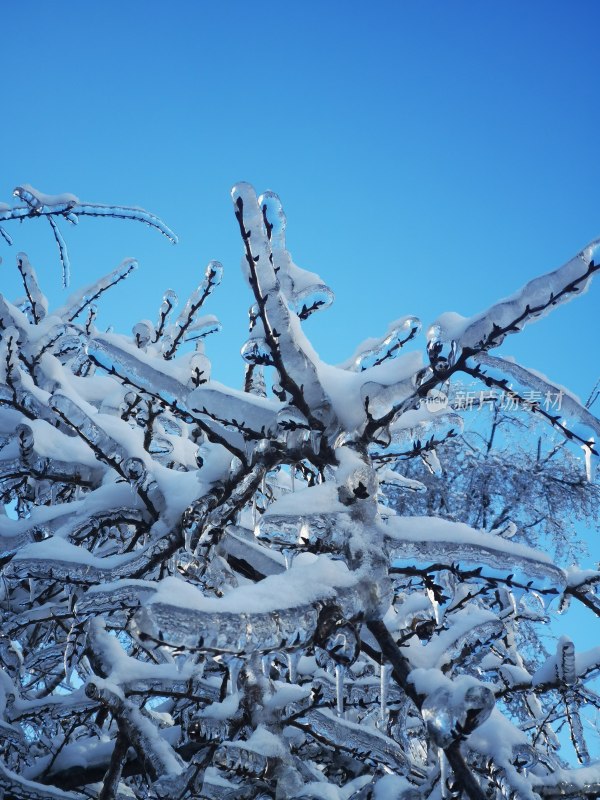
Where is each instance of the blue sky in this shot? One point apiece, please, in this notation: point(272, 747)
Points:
point(431, 156)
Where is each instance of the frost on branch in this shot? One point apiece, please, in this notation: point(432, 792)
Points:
point(281, 591)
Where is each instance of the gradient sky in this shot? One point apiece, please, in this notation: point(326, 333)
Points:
point(431, 156)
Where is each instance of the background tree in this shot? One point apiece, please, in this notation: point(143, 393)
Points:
point(206, 592)
point(505, 471)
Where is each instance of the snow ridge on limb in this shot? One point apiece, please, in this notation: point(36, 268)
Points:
point(421, 542)
point(454, 342)
point(280, 611)
point(296, 372)
point(536, 299)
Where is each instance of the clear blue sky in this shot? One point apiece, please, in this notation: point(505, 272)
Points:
point(431, 156)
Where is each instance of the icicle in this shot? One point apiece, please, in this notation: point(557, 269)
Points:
point(591, 460)
point(339, 689)
point(384, 681)
point(292, 659)
point(234, 665)
point(265, 663)
point(254, 512)
point(288, 554)
point(444, 792)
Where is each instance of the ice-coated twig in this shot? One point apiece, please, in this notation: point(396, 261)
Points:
point(297, 374)
point(110, 782)
point(154, 752)
point(38, 204)
point(570, 407)
point(154, 384)
point(69, 207)
point(374, 352)
point(576, 731)
point(18, 788)
point(37, 300)
point(536, 299)
point(203, 624)
point(80, 300)
point(126, 212)
point(62, 251)
point(593, 395)
point(326, 726)
point(185, 321)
